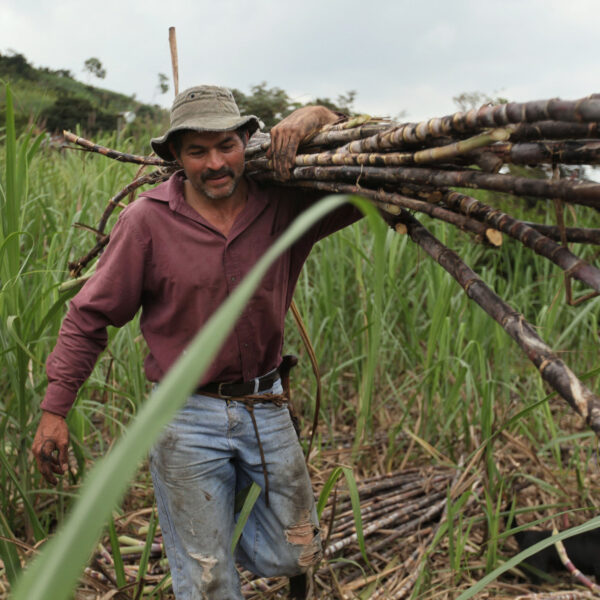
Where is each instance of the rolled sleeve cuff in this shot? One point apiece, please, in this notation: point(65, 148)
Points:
point(58, 400)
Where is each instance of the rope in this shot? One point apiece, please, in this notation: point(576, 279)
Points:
point(315, 367)
point(249, 402)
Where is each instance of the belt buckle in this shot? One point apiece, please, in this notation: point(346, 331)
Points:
point(219, 390)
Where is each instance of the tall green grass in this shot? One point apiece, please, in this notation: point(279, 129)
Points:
point(401, 348)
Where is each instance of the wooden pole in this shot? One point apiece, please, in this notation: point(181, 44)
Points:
point(174, 60)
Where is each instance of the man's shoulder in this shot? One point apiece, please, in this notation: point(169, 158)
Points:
point(153, 203)
point(167, 190)
point(272, 192)
point(143, 211)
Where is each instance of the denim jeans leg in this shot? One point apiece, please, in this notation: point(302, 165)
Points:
point(194, 481)
point(207, 452)
point(283, 538)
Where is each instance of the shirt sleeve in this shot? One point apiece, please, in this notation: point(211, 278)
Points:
point(112, 296)
point(334, 221)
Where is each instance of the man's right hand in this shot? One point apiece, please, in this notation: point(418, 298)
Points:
point(51, 445)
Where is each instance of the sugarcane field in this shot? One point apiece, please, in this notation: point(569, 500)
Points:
point(444, 335)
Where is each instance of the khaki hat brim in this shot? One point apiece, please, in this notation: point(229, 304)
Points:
point(215, 123)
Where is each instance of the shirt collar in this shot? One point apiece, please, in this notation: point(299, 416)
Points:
point(171, 192)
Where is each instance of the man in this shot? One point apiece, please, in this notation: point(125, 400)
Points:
point(177, 253)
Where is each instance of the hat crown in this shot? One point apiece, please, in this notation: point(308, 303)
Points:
point(203, 108)
point(201, 101)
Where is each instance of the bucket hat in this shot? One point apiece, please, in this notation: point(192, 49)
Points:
point(203, 108)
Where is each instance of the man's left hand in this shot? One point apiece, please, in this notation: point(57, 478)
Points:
point(287, 135)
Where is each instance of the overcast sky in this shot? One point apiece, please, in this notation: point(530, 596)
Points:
point(399, 55)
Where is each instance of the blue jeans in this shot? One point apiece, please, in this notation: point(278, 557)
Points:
point(207, 454)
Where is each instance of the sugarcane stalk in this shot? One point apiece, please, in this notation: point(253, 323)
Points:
point(329, 135)
point(404, 492)
point(420, 516)
point(587, 194)
point(115, 154)
point(385, 485)
point(139, 548)
point(456, 487)
point(399, 137)
point(350, 123)
point(575, 572)
point(105, 554)
point(346, 520)
point(554, 130)
point(556, 596)
point(154, 177)
point(443, 153)
point(259, 142)
point(585, 109)
point(382, 592)
point(76, 267)
point(260, 169)
point(575, 235)
point(528, 236)
point(96, 575)
point(393, 517)
point(337, 158)
point(344, 512)
point(336, 137)
point(398, 475)
point(552, 369)
point(555, 109)
point(325, 137)
point(363, 581)
point(435, 154)
point(392, 204)
point(574, 152)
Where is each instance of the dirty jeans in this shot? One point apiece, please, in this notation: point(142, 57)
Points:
point(207, 454)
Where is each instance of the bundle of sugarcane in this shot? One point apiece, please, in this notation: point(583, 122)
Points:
point(413, 167)
point(400, 514)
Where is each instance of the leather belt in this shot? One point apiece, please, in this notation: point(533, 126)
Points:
point(243, 388)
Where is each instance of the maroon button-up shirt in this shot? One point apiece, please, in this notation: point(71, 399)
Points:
point(168, 260)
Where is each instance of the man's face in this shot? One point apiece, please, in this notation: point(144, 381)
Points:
point(213, 162)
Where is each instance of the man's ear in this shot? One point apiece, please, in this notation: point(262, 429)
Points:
point(174, 153)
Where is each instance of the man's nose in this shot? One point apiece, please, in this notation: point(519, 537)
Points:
point(215, 160)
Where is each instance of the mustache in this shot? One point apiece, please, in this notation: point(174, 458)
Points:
point(211, 174)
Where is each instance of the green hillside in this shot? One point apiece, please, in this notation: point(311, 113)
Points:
point(55, 100)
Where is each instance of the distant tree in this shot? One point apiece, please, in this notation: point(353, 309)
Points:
point(94, 67)
point(273, 104)
point(57, 72)
point(163, 83)
point(16, 65)
point(468, 100)
point(69, 111)
point(269, 104)
point(343, 103)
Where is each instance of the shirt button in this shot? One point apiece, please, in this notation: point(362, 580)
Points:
point(233, 278)
point(245, 345)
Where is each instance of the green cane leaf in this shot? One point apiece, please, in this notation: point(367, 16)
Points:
point(252, 495)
